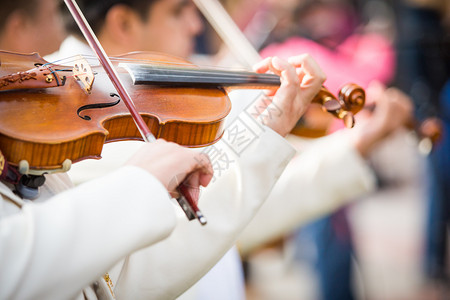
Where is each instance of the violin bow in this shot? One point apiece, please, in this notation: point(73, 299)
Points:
point(228, 31)
point(185, 200)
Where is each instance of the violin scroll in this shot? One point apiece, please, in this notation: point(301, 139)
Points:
point(353, 97)
point(351, 100)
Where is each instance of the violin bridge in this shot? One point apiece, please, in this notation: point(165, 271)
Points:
point(83, 73)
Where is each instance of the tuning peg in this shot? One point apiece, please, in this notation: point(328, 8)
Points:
point(349, 119)
point(331, 105)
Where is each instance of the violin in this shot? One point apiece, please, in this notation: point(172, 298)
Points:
point(53, 115)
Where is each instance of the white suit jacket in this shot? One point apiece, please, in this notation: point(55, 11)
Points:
point(326, 175)
point(162, 271)
point(53, 247)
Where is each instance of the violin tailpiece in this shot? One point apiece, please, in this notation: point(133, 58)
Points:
point(39, 77)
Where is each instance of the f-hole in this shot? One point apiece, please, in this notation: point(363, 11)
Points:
point(97, 106)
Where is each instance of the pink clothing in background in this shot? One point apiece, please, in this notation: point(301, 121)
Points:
point(359, 59)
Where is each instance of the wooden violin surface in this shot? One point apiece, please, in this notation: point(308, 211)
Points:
point(46, 126)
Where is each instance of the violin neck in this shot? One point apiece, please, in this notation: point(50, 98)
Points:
point(199, 78)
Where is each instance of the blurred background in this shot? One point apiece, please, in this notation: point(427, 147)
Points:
point(394, 242)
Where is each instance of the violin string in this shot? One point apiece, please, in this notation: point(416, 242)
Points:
point(76, 75)
point(148, 62)
point(195, 74)
point(186, 76)
point(168, 63)
point(186, 67)
point(124, 59)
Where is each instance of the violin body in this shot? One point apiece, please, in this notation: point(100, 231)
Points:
point(46, 126)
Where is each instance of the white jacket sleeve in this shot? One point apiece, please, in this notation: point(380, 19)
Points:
point(52, 250)
point(320, 179)
point(168, 268)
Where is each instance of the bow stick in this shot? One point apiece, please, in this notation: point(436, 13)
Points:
point(185, 200)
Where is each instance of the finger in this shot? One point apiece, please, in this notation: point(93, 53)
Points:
point(174, 194)
point(263, 66)
point(205, 179)
point(205, 168)
point(402, 102)
point(291, 88)
point(267, 65)
point(278, 66)
point(308, 66)
point(286, 70)
point(300, 74)
point(286, 92)
point(298, 60)
point(374, 92)
point(270, 93)
point(192, 185)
